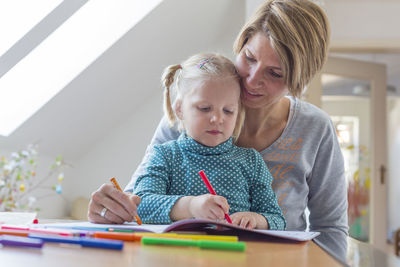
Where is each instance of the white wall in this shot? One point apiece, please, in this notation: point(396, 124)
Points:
point(119, 152)
point(353, 20)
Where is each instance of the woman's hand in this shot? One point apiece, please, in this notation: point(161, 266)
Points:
point(120, 207)
point(249, 220)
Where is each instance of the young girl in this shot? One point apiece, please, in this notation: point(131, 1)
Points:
point(207, 108)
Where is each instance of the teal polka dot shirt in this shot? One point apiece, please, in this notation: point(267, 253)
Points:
point(238, 174)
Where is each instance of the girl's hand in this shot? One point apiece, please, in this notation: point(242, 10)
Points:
point(249, 220)
point(121, 207)
point(209, 206)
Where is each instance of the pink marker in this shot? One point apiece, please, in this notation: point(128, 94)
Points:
point(62, 232)
point(212, 191)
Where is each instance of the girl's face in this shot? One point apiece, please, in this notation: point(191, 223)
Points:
point(261, 74)
point(209, 111)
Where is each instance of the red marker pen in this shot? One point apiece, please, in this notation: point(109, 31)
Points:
point(212, 191)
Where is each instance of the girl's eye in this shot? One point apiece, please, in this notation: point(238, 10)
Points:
point(204, 109)
point(227, 111)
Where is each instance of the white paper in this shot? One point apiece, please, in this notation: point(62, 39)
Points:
point(17, 218)
point(293, 235)
point(155, 228)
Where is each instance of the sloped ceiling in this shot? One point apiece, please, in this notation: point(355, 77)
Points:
point(118, 82)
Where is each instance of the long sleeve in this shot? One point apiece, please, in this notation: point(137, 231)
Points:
point(263, 198)
point(308, 170)
point(152, 187)
point(162, 134)
point(327, 199)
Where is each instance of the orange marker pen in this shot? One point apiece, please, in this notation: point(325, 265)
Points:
point(14, 232)
point(114, 182)
point(117, 236)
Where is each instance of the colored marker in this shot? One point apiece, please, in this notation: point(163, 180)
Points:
point(204, 244)
point(53, 232)
point(20, 229)
point(19, 241)
point(12, 227)
point(82, 228)
point(116, 185)
point(225, 238)
point(83, 241)
point(14, 232)
point(117, 236)
point(138, 236)
point(212, 191)
point(121, 230)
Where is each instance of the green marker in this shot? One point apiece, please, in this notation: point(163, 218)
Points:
point(204, 244)
point(120, 230)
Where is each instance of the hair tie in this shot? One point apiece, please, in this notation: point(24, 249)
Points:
point(203, 62)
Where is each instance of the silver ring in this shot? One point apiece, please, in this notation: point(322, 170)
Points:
point(103, 212)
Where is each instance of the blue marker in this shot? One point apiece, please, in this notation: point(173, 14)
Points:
point(83, 241)
point(85, 228)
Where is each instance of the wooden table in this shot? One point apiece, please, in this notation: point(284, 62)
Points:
point(134, 254)
point(364, 254)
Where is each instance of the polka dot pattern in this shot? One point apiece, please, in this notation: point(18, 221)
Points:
point(238, 174)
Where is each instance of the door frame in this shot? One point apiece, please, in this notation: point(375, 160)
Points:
point(375, 74)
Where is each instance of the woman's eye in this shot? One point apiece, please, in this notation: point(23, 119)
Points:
point(249, 58)
point(275, 75)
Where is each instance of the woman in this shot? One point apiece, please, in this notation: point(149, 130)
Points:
point(282, 46)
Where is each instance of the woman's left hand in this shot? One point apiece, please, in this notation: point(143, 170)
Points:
point(249, 220)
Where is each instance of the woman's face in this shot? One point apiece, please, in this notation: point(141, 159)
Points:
point(261, 74)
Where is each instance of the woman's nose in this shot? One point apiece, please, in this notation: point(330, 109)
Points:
point(255, 78)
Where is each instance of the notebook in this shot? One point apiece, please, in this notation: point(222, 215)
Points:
point(193, 225)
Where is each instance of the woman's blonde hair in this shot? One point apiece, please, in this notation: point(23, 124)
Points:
point(299, 33)
point(180, 79)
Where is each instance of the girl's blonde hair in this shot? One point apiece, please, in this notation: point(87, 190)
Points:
point(180, 79)
point(299, 33)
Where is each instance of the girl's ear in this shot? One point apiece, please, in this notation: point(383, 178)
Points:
point(178, 109)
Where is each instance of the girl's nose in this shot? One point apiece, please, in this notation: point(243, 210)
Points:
point(217, 118)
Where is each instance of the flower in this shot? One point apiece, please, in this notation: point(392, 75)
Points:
point(19, 179)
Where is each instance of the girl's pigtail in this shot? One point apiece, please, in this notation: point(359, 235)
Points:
point(167, 80)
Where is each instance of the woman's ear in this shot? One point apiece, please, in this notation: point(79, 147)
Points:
point(178, 109)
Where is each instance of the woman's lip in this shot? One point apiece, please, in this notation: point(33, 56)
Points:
point(250, 95)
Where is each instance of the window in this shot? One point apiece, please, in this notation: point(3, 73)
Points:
point(63, 54)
